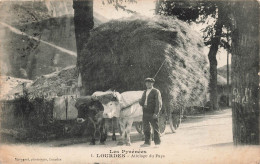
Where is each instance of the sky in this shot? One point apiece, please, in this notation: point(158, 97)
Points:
point(146, 7)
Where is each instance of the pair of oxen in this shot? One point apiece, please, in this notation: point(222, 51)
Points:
point(95, 110)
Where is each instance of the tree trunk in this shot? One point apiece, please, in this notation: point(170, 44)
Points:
point(84, 22)
point(228, 90)
point(245, 68)
point(157, 6)
point(213, 65)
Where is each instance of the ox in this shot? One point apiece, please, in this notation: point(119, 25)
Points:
point(90, 116)
point(124, 106)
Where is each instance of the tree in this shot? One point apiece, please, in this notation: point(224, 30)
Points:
point(84, 22)
point(214, 35)
point(245, 71)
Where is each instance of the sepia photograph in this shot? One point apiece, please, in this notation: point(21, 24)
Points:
point(129, 81)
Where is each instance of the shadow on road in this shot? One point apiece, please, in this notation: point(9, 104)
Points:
point(228, 144)
point(226, 113)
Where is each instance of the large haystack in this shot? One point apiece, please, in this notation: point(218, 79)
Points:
point(122, 53)
point(63, 82)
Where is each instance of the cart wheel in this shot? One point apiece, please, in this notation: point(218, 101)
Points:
point(139, 127)
point(162, 123)
point(175, 120)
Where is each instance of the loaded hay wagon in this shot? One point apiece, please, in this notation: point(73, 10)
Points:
point(120, 54)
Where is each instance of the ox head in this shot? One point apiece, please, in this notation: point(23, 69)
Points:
point(110, 101)
point(87, 107)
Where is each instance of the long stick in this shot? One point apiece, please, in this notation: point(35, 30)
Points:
point(159, 68)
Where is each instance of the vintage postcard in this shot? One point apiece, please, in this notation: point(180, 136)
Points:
point(129, 81)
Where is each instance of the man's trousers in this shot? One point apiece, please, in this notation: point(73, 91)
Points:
point(147, 121)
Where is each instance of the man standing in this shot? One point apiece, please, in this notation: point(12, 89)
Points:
point(151, 102)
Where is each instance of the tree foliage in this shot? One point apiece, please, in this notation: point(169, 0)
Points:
point(215, 34)
point(120, 4)
point(212, 13)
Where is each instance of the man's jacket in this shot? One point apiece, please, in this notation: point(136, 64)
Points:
point(154, 102)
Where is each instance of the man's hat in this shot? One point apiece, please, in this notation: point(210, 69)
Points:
point(149, 80)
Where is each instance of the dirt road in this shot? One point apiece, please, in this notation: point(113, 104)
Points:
point(200, 139)
point(200, 130)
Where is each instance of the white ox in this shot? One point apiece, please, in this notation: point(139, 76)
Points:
point(124, 106)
